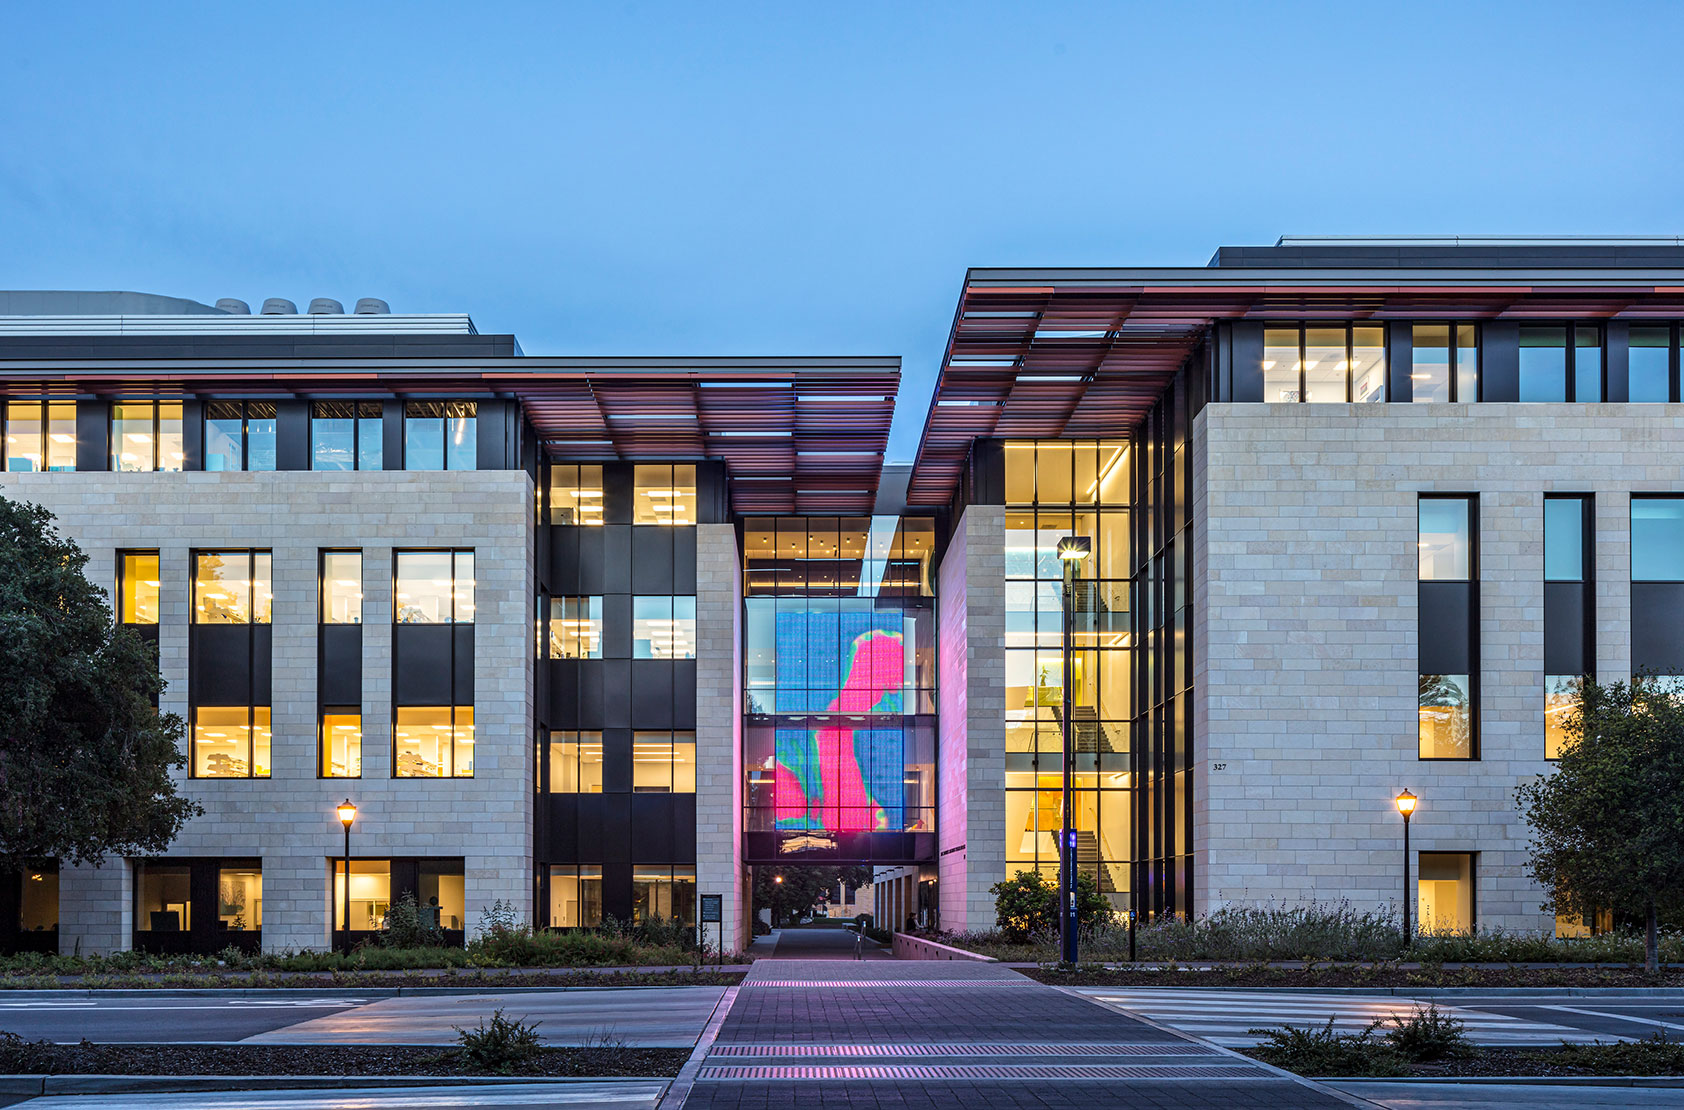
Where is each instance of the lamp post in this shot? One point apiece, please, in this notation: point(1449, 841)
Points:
point(347, 814)
point(1406, 806)
point(1071, 551)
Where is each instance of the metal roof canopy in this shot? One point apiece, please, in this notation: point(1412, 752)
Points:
point(797, 435)
point(1085, 352)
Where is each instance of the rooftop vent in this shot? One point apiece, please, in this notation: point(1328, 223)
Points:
point(279, 306)
point(372, 306)
point(326, 306)
point(233, 306)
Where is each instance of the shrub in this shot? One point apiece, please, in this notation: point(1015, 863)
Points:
point(1324, 1052)
point(1026, 905)
point(1429, 1034)
point(406, 928)
point(1656, 1056)
point(500, 1046)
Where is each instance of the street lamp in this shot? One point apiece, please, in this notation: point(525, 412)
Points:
point(1071, 551)
point(1406, 806)
point(347, 814)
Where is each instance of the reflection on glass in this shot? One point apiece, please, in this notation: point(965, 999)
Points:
point(342, 743)
point(434, 587)
point(1281, 366)
point(371, 893)
point(1430, 369)
point(663, 627)
point(138, 587)
point(239, 898)
point(1445, 546)
point(1445, 892)
point(1543, 364)
point(664, 494)
point(1587, 363)
point(1657, 539)
point(346, 435)
point(1467, 363)
point(433, 742)
point(575, 494)
point(575, 762)
point(1564, 539)
point(576, 627)
point(1649, 372)
point(163, 897)
point(1563, 695)
point(224, 436)
point(440, 435)
point(1446, 717)
point(576, 896)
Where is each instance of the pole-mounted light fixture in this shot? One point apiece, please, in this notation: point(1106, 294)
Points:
point(1406, 803)
point(347, 814)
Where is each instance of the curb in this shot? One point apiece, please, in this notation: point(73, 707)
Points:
point(1521, 1080)
point(334, 993)
point(142, 1084)
point(1411, 992)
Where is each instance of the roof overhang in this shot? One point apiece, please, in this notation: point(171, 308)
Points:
point(1085, 352)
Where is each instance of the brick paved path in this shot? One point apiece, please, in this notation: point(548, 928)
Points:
point(826, 1035)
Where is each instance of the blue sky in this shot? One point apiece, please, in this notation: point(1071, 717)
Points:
point(653, 178)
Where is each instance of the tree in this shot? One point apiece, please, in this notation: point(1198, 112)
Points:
point(84, 755)
point(802, 887)
point(1026, 905)
point(1608, 825)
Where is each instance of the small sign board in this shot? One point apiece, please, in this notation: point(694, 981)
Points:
point(713, 909)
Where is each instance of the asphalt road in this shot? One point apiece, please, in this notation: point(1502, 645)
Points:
point(607, 1095)
point(644, 1017)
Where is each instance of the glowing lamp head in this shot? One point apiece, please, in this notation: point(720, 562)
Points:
point(1406, 803)
point(347, 813)
point(777, 878)
point(1073, 548)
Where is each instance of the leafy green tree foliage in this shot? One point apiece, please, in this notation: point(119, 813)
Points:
point(1608, 825)
point(84, 755)
point(802, 888)
point(1026, 905)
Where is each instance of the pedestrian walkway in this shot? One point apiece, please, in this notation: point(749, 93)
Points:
point(938, 1034)
point(1226, 1017)
point(820, 942)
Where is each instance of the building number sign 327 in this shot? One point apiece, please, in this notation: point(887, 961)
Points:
point(1218, 766)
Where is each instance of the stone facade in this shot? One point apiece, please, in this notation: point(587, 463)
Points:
point(1305, 593)
point(288, 820)
point(719, 733)
point(971, 724)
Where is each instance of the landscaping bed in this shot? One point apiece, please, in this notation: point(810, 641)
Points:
point(1644, 1058)
point(1377, 975)
point(41, 1058)
point(473, 978)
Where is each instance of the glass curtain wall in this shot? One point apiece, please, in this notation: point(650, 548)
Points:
point(1054, 489)
point(840, 684)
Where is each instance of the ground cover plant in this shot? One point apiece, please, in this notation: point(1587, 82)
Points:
point(1324, 1054)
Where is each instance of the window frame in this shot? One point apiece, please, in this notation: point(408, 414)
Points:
point(1674, 361)
point(454, 712)
point(251, 744)
point(115, 453)
point(1472, 582)
point(1570, 388)
point(455, 590)
point(1631, 535)
point(1473, 884)
point(322, 581)
point(1304, 327)
point(245, 418)
point(356, 418)
point(45, 404)
point(1454, 384)
point(444, 418)
point(123, 555)
point(324, 749)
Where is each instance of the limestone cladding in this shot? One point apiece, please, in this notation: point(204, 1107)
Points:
point(1305, 596)
point(971, 723)
point(288, 819)
point(719, 769)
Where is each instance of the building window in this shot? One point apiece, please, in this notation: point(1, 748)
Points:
point(576, 628)
point(1587, 363)
point(435, 587)
point(231, 742)
point(1649, 366)
point(1572, 927)
point(1445, 363)
point(342, 587)
point(346, 435)
point(146, 435)
point(1563, 694)
point(342, 743)
point(39, 435)
point(38, 899)
point(664, 762)
point(432, 742)
point(441, 894)
point(1446, 716)
point(1657, 539)
point(439, 435)
point(576, 896)
point(1445, 890)
point(575, 494)
point(663, 892)
point(371, 893)
point(663, 627)
point(1446, 539)
point(576, 762)
point(240, 435)
point(1446, 558)
point(231, 587)
point(1564, 539)
point(163, 897)
point(664, 494)
point(1324, 365)
point(138, 587)
point(239, 898)
point(1552, 369)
